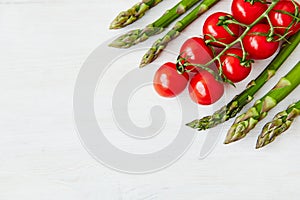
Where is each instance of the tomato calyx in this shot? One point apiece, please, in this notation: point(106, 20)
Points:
point(232, 66)
point(225, 21)
point(217, 29)
point(247, 63)
point(254, 1)
point(212, 40)
point(244, 62)
point(270, 36)
point(167, 82)
point(182, 64)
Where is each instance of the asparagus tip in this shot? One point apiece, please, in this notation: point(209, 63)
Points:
point(259, 144)
point(227, 141)
point(148, 57)
point(144, 62)
point(142, 65)
point(113, 26)
point(193, 124)
point(235, 133)
point(118, 44)
point(113, 44)
point(231, 140)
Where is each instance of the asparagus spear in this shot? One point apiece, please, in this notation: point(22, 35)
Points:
point(139, 35)
point(280, 123)
point(238, 102)
point(247, 121)
point(159, 45)
point(132, 14)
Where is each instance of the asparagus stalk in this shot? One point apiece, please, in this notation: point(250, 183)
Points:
point(238, 102)
point(280, 123)
point(132, 14)
point(247, 121)
point(159, 45)
point(139, 35)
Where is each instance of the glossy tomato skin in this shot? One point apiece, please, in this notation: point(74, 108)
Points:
point(204, 89)
point(195, 51)
point(231, 66)
point(210, 27)
point(167, 82)
point(257, 45)
point(246, 13)
point(282, 21)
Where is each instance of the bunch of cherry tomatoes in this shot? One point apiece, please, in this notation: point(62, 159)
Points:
point(260, 42)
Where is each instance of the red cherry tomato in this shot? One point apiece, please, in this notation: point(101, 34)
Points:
point(204, 89)
point(210, 28)
point(246, 12)
point(167, 82)
point(282, 21)
point(195, 51)
point(257, 45)
point(232, 67)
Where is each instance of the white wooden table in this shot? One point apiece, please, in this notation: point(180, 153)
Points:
point(43, 44)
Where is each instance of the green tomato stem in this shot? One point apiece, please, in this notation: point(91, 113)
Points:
point(231, 109)
point(239, 39)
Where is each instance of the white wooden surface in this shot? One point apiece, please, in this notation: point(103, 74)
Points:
point(43, 44)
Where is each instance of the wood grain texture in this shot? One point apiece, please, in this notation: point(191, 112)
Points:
point(43, 44)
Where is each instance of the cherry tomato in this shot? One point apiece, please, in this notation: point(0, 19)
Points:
point(232, 67)
point(210, 28)
point(204, 89)
point(246, 12)
point(282, 21)
point(256, 44)
point(195, 51)
point(167, 82)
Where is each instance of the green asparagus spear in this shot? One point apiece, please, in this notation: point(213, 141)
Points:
point(247, 121)
point(139, 35)
point(280, 123)
point(159, 45)
point(238, 102)
point(134, 13)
